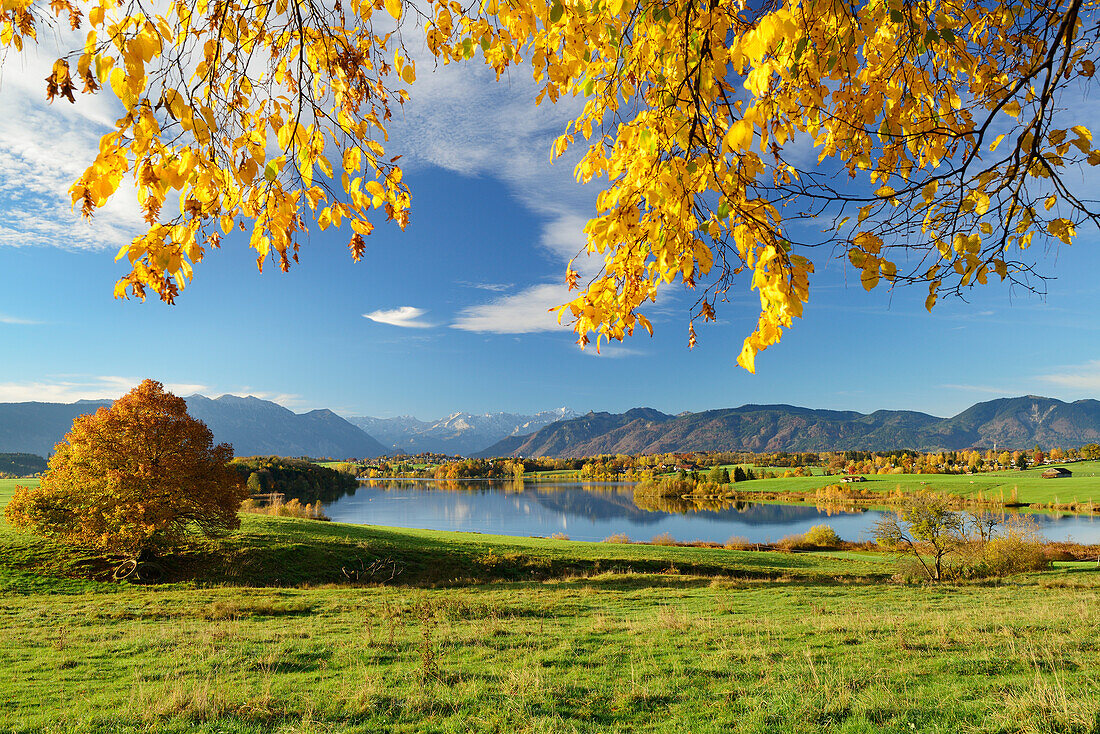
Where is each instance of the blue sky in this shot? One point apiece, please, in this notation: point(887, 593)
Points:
point(456, 303)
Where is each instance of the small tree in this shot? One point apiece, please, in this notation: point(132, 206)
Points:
point(132, 476)
point(254, 484)
point(822, 536)
point(924, 524)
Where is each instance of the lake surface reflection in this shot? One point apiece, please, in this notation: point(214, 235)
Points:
point(593, 511)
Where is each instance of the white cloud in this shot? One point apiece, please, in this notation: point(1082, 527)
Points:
point(564, 237)
point(611, 351)
point(520, 313)
point(462, 119)
point(527, 310)
point(990, 389)
point(493, 287)
point(70, 388)
point(5, 319)
point(44, 148)
point(404, 316)
point(1082, 377)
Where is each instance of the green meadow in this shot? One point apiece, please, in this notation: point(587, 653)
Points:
point(263, 631)
point(1029, 486)
point(814, 470)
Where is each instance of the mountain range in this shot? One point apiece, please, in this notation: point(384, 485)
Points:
point(253, 426)
point(458, 433)
point(1007, 423)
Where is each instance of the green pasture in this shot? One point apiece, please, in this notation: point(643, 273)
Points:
point(814, 470)
point(1030, 487)
point(262, 632)
point(603, 653)
point(553, 475)
point(7, 489)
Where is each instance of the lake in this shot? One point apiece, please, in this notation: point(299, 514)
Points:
point(594, 511)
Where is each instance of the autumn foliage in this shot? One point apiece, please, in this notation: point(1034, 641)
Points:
point(132, 476)
point(741, 144)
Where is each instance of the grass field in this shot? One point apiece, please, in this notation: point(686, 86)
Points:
point(262, 632)
point(1030, 487)
point(7, 488)
point(814, 470)
point(567, 474)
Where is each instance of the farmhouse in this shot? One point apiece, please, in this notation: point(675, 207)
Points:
point(1056, 472)
point(853, 478)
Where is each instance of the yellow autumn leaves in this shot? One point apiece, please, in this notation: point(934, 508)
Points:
point(698, 116)
point(691, 119)
point(232, 116)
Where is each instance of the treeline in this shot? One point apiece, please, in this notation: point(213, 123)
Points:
point(14, 466)
point(295, 479)
point(723, 467)
point(699, 466)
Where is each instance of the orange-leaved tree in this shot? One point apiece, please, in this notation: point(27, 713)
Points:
point(133, 476)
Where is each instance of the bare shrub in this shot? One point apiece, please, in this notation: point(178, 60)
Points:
point(793, 542)
point(293, 508)
point(736, 542)
point(617, 538)
point(663, 539)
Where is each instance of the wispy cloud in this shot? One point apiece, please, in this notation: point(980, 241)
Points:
point(564, 237)
point(5, 319)
point(70, 388)
point(407, 317)
point(612, 351)
point(493, 287)
point(990, 389)
point(43, 149)
point(525, 312)
point(462, 119)
point(528, 309)
point(1084, 377)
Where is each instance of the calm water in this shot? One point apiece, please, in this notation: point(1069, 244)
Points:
point(593, 511)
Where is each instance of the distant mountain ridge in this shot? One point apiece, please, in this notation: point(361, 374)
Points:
point(253, 426)
point(256, 426)
point(1005, 423)
point(458, 433)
